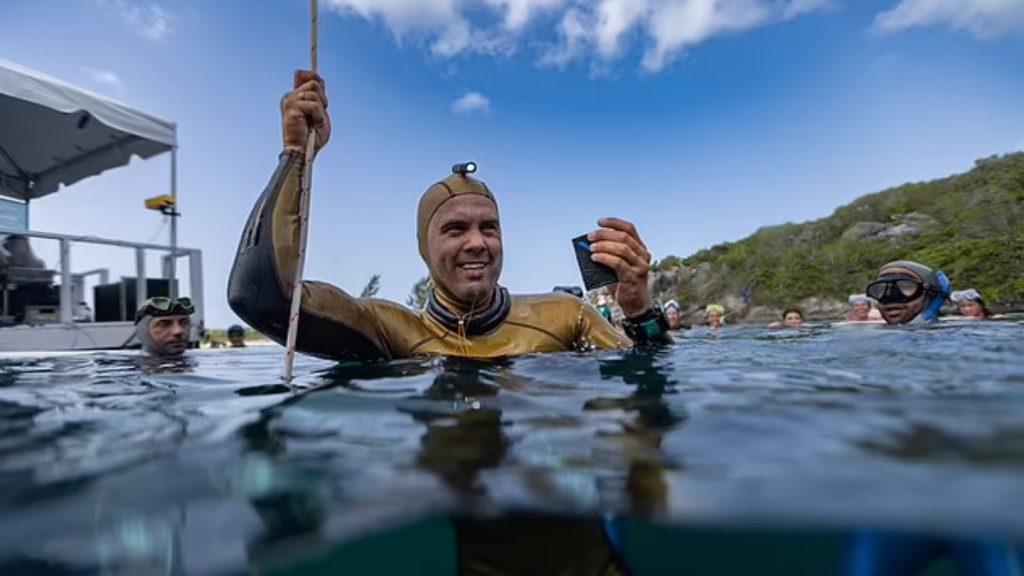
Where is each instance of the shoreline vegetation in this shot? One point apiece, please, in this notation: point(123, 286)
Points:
point(969, 225)
point(252, 338)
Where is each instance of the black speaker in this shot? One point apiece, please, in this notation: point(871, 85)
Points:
point(116, 302)
point(154, 287)
point(106, 299)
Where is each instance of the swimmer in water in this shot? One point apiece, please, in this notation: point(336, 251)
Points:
point(862, 309)
point(236, 336)
point(163, 326)
point(459, 236)
point(715, 315)
point(791, 318)
point(674, 315)
point(468, 313)
point(909, 292)
point(972, 305)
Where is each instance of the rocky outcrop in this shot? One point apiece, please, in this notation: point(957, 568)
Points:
point(862, 230)
point(911, 224)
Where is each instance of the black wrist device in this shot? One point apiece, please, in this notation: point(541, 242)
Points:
point(649, 328)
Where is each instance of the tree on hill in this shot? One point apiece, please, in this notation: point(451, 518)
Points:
point(371, 288)
point(420, 293)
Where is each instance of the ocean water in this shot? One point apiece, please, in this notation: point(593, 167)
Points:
point(738, 451)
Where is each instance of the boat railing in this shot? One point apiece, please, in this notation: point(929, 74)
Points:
point(72, 283)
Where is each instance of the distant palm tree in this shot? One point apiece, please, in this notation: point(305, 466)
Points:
point(371, 288)
point(420, 293)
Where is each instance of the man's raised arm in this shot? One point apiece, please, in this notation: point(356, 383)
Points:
point(332, 324)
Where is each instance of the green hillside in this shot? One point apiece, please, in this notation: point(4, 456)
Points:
point(970, 225)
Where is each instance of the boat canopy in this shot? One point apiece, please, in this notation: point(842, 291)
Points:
point(56, 134)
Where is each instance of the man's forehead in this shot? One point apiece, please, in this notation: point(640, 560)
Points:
point(172, 318)
point(466, 207)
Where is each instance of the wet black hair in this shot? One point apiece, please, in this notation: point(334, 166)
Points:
point(788, 310)
point(236, 329)
point(12, 237)
point(981, 302)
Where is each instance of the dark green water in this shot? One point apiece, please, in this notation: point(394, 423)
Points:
point(746, 451)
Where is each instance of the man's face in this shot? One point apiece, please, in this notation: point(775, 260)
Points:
point(672, 315)
point(464, 247)
point(902, 313)
point(861, 310)
point(171, 332)
point(793, 320)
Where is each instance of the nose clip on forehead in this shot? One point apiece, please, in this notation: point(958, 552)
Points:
point(464, 168)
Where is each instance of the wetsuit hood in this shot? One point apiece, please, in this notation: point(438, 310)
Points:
point(443, 303)
point(437, 195)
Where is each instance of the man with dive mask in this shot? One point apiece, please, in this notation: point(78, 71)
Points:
point(909, 292)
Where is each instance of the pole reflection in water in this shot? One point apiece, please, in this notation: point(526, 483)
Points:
point(465, 443)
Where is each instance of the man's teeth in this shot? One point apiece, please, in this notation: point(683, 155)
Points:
point(472, 266)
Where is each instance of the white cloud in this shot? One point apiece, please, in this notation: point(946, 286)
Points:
point(402, 16)
point(572, 41)
point(149, 21)
point(518, 13)
point(678, 25)
point(105, 77)
point(572, 30)
point(471, 102)
point(800, 7)
point(614, 19)
point(980, 18)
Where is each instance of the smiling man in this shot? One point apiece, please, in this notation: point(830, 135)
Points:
point(459, 235)
point(909, 292)
point(468, 313)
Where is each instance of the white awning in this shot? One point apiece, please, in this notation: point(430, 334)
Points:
point(53, 133)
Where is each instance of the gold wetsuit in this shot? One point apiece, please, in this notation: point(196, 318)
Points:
point(335, 325)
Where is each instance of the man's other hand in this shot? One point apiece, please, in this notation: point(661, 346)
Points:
point(618, 246)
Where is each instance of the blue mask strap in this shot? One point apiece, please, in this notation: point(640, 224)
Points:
point(931, 313)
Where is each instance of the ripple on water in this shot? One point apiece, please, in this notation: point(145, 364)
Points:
point(105, 458)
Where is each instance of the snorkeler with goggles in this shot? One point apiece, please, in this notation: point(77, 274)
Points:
point(909, 292)
point(972, 306)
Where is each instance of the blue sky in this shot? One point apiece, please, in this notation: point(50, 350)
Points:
point(699, 120)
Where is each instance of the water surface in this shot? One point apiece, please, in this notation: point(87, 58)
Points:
point(112, 464)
